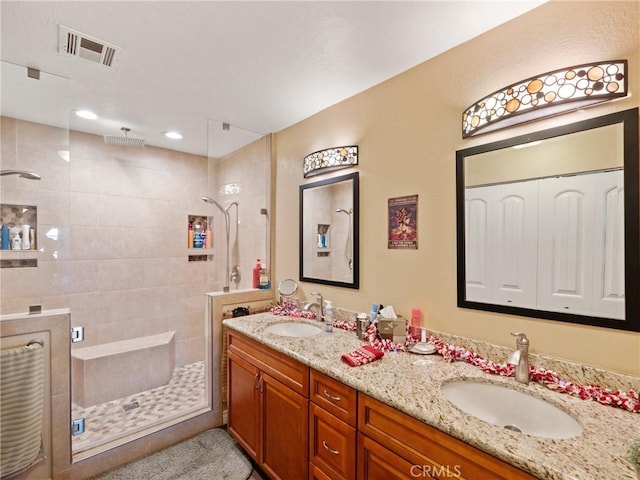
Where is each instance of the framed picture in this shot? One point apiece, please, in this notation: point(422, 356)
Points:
point(403, 222)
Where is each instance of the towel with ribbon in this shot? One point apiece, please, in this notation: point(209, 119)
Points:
point(362, 355)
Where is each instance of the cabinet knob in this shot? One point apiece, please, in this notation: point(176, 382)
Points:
point(331, 397)
point(329, 449)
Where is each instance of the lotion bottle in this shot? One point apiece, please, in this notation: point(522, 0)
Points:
point(328, 316)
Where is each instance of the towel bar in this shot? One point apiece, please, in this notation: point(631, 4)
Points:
point(39, 341)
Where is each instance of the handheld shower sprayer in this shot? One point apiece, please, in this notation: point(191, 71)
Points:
point(21, 174)
point(225, 212)
point(348, 252)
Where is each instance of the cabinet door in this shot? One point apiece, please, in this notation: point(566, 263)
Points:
point(316, 473)
point(332, 444)
point(375, 462)
point(244, 415)
point(285, 431)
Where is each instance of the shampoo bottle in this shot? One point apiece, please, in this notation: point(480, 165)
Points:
point(256, 274)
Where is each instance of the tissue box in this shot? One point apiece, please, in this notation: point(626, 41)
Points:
point(394, 329)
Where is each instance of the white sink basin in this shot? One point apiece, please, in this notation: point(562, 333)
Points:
point(511, 409)
point(293, 329)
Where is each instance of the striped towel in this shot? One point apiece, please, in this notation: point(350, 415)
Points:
point(21, 408)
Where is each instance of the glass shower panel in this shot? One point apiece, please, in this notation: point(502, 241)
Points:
point(239, 172)
point(34, 186)
point(140, 300)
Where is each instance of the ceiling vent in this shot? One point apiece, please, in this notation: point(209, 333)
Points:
point(78, 44)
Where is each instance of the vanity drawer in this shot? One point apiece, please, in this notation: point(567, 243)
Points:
point(332, 444)
point(285, 369)
point(422, 444)
point(334, 396)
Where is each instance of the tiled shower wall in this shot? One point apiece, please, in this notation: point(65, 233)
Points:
point(243, 176)
point(119, 257)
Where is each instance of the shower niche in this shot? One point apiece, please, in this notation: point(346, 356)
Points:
point(200, 238)
point(323, 245)
point(18, 236)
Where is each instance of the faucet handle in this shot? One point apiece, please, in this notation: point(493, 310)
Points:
point(521, 338)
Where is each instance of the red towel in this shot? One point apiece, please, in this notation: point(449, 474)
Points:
point(362, 355)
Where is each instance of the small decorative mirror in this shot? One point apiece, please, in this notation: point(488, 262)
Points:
point(329, 235)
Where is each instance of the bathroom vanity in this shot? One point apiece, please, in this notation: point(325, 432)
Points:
point(302, 413)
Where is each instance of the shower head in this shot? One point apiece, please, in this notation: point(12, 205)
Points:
point(124, 141)
point(348, 212)
point(213, 202)
point(21, 174)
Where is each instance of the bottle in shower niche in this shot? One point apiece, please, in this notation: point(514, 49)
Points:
point(5, 240)
point(263, 283)
point(16, 242)
point(328, 316)
point(26, 238)
point(190, 236)
point(208, 237)
point(197, 236)
point(256, 274)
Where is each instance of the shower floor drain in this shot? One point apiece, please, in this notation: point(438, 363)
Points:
point(131, 406)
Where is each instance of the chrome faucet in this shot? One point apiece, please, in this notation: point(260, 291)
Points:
point(318, 305)
point(520, 357)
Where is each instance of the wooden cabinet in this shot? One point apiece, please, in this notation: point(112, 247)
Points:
point(332, 432)
point(268, 407)
point(427, 452)
point(340, 434)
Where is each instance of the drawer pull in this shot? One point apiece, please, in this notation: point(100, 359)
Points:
point(331, 397)
point(329, 449)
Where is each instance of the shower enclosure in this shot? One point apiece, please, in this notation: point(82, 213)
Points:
point(111, 225)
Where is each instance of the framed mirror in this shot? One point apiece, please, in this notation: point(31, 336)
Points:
point(329, 234)
point(547, 224)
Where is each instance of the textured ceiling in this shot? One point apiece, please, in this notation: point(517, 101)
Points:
point(191, 65)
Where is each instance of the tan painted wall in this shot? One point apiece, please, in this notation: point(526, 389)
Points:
point(408, 130)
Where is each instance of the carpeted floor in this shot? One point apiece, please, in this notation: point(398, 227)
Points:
point(211, 455)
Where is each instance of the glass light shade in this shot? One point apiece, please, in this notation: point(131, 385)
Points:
point(330, 159)
point(547, 94)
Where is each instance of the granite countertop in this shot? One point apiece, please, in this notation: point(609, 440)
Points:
point(411, 383)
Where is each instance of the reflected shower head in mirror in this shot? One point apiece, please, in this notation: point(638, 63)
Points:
point(21, 174)
point(348, 212)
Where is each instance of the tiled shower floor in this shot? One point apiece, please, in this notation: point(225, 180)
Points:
point(108, 421)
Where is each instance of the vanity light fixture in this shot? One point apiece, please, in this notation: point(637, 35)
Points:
point(86, 114)
point(329, 159)
point(547, 94)
point(173, 135)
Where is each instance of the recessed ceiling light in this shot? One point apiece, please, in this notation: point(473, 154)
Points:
point(173, 135)
point(86, 114)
